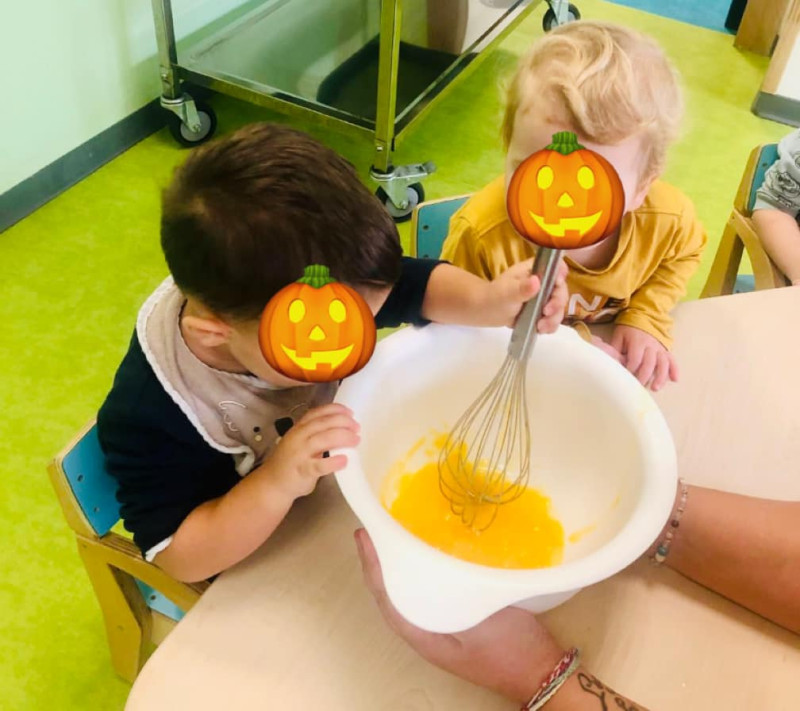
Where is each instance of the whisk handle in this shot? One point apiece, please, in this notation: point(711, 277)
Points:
point(545, 266)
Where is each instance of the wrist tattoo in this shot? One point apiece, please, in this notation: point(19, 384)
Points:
point(609, 699)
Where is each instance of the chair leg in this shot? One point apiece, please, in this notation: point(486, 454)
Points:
point(765, 273)
point(127, 618)
point(722, 277)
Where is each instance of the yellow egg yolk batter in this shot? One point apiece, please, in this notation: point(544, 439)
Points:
point(523, 534)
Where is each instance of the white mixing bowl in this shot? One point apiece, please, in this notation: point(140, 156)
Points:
point(601, 451)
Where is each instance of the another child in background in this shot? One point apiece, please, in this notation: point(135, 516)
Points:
point(776, 214)
point(616, 90)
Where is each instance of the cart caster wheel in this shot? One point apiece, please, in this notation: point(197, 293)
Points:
point(415, 193)
point(186, 137)
point(549, 20)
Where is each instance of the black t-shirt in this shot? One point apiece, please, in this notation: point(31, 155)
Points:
point(163, 466)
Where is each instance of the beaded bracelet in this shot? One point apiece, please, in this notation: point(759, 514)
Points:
point(662, 551)
point(564, 669)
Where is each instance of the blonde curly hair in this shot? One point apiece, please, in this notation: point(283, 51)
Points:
point(607, 81)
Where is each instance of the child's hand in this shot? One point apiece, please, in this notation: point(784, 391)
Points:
point(644, 356)
point(297, 462)
point(513, 288)
point(607, 348)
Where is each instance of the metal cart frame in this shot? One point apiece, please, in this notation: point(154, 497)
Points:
point(399, 186)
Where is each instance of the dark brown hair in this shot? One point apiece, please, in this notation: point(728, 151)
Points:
point(245, 215)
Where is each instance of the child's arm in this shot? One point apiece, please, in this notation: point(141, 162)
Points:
point(436, 291)
point(643, 332)
point(780, 235)
point(456, 296)
point(221, 532)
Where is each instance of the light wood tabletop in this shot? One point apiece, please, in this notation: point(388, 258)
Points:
point(293, 627)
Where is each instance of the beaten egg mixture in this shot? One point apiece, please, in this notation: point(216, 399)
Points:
point(524, 533)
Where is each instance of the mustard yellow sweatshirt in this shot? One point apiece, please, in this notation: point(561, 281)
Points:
point(659, 248)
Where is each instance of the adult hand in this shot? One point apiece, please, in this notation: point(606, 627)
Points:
point(510, 652)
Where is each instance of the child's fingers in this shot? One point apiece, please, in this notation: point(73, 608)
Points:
point(523, 269)
point(607, 348)
point(634, 355)
point(662, 371)
point(534, 281)
point(331, 439)
point(648, 366)
point(618, 341)
point(329, 465)
point(673, 368)
point(342, 420)
point(555, 308)
point(553, 312)
point(558, 299)
point(517, 273)
point(332, 408)
point(528, 287)
point(548, 324)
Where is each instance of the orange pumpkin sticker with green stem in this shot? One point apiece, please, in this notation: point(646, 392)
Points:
point(317, 330)
point(565, 196)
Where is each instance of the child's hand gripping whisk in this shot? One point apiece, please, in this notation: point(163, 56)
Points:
point(553, 201)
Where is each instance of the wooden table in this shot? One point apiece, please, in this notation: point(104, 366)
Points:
point(294, 628)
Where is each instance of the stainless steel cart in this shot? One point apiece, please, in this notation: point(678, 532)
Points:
point(370, 67)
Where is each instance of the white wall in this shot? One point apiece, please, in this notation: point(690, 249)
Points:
point(789, 84)
point(71, 68)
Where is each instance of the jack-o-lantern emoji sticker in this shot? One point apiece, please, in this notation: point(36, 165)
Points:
point(565, 196)
point(317, 330)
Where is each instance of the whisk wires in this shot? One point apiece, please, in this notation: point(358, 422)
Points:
point(485, 461)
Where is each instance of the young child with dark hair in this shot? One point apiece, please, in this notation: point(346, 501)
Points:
point(210, 446)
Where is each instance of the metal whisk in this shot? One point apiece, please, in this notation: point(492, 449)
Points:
point(485, 461)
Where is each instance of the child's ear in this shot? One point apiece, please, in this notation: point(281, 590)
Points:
point(209, 332)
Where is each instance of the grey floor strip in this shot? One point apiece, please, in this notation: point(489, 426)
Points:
point(777, 108)
point(21, 200)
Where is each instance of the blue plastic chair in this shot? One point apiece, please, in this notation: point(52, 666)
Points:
point(430, 223)
point(740, 235)
point(140, 602)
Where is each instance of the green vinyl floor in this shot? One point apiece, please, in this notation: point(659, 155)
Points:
point(73, 275)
